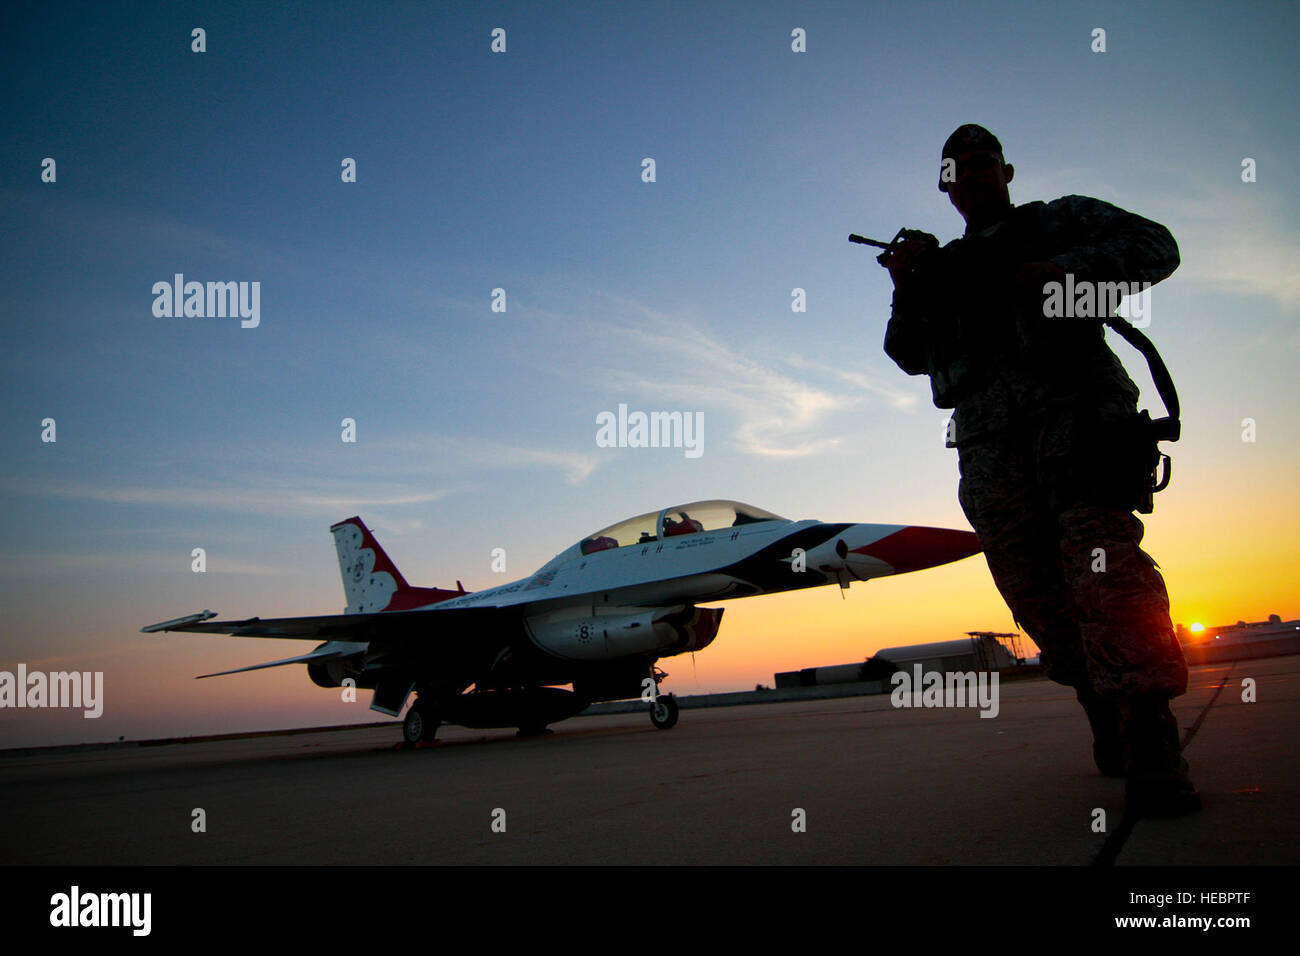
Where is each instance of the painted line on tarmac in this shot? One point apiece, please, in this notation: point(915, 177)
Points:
point(1110, 850)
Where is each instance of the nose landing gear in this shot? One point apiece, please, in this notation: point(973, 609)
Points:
point(663, 712)
point(663, 709)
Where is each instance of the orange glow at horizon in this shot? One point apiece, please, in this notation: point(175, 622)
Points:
point(150, 689)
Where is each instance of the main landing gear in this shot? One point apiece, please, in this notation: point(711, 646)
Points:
point(421, 723)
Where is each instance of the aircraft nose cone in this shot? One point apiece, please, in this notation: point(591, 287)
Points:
point(914, 548)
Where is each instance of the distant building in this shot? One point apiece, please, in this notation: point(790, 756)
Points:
point(1273, 627)
point(980, 651)
point(1241, 641)
point(868, 670)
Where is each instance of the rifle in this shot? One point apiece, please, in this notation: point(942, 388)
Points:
point(892, 246)
point(1151, 469)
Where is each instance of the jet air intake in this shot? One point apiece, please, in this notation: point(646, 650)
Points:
point(579, 635)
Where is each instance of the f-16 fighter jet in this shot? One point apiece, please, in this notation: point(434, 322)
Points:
point(598, 616)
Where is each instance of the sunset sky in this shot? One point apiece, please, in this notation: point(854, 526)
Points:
point(476, 429)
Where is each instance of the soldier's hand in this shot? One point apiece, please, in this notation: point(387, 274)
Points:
point(904, 259)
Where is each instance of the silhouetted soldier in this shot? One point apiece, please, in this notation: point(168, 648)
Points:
point(1038, 405)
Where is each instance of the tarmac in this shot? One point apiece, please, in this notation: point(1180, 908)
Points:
point(850, 780)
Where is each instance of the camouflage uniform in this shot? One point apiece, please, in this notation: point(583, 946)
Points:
point(1035, 400)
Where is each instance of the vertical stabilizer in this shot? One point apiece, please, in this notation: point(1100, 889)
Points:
point(371, 582)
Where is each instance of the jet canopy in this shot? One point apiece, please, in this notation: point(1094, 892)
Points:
point(691, 518)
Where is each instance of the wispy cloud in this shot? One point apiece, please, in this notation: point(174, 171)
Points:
point(255, 497)
point(783, 406)
point(466, 452)
point(114, 226)
point(43, 565)
point(1232, 236)
point(396, 475)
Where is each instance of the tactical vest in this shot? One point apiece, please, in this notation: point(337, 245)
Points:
point(981, 324)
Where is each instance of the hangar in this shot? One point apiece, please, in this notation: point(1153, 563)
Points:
point(978, 651)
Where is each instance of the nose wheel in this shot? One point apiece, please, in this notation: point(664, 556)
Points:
point(663, 712)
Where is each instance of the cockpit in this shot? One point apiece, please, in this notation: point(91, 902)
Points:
point(693, 518)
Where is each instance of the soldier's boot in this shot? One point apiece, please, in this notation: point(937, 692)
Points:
point(1158, 783)
point(1107, 724)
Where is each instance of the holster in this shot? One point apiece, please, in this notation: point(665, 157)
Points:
point(1145, 432)
point(1116, 462)
point(1141, 469)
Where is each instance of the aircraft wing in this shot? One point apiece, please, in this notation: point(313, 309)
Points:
point(326, 652)
point(383, 626)
point(458, 640)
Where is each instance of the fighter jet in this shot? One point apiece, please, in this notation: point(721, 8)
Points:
point(598, 616)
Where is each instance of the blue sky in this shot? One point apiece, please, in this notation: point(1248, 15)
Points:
point(522, 171)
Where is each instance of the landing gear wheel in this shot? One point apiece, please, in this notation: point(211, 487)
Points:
point(663, 712)
point(421, 724)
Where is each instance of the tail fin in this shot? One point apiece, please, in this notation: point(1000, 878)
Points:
point(371, 582)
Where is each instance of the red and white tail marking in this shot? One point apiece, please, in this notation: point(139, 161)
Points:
point(371, 582)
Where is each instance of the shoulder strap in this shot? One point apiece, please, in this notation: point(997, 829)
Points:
point(1168, 428)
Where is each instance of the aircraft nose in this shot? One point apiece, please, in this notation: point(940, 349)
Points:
point(915, 547)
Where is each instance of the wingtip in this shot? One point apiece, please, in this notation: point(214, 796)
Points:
point(178, 622)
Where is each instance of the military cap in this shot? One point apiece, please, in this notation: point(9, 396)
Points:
point(968, 137)
point(965, 138)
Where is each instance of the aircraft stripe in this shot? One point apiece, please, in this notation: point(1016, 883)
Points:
point(769, 569)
